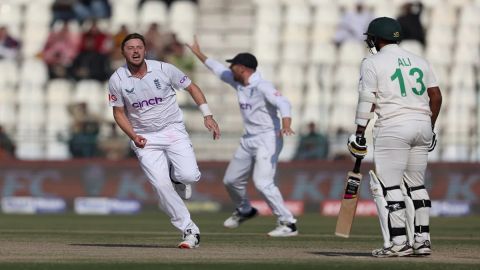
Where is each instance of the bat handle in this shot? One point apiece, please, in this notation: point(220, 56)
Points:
point(358, 162)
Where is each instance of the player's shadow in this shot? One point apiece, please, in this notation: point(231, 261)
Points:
point(340, 254)
point(122, 245)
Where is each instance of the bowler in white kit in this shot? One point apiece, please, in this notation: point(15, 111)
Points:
point(402, 89)
point(261, 143)
point(142, 94)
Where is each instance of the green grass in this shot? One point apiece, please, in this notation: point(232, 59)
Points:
point(147, 241)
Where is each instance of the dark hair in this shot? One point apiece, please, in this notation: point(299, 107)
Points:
point(133, 36)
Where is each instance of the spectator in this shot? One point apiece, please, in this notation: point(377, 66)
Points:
point(62, 10)
point(176, 56)
point(90, 64)
point(80, 10)
point(83, 141)
point(409, 20)
point(102, 42)
point(312, 145)
point(353, 24)
point(157, 43)
point(7, 146)
point(8, 45)
point(91, 10)
point(168, 2)
point(60, 51)
point(114, 146)
point(116, 57)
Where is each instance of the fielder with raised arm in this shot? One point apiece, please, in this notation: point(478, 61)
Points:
point(261, 143)
point(142, 94)
point(403, 91)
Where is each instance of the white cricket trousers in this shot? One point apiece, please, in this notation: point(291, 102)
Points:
point(260, 152)
point(170, 146)
point(401, 155)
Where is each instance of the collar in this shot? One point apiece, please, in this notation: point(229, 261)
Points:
point(389, 47)
point(129, 74)
point(255, 77)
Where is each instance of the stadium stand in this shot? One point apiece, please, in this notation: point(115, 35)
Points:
point(293, 42)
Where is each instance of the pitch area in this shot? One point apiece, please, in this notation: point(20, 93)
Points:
point(148, 241)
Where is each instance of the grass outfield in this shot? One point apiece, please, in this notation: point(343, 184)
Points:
point(148, 241)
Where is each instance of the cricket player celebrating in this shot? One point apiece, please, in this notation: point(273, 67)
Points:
point(261, 143)
point(142, 94)
point(403, 91)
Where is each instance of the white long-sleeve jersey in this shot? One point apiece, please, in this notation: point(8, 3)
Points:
point(150, 102)
point(258, 101)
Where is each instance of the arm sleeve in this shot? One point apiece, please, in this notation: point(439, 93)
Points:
point(114, 92)
point(368, 77)
point(178, 79)
point(221, 71)
point(431, 77)
point(275, 98)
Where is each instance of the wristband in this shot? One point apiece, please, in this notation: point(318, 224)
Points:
point(205, 109)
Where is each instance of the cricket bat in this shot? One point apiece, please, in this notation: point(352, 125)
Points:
point(349, 201)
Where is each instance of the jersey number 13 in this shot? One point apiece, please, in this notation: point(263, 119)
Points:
point(416, 73)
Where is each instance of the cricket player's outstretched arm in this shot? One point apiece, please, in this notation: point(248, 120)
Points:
point(122, 121)
point(201, 101)
point(224, 73)
point(275, 98)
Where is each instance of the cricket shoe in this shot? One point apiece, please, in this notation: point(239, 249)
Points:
point(237, 218)
point(284, 229)
point(422, 248)
point(393, 251)
point(190, 240)
point(183, 190)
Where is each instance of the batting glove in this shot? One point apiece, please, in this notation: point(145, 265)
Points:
point(357, 145)
point(433, 143)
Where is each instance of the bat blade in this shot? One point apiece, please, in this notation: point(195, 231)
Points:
point(348, 206)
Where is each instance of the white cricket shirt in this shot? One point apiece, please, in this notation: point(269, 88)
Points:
point(400, 81)
point(258, 101)
point(149, 102)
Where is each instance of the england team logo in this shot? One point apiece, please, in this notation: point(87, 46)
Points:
point(157, 84)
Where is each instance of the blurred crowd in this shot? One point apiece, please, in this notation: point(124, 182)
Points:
point(91, 52)
point(353, 23)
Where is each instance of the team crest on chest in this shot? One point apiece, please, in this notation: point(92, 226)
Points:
point(157, 84)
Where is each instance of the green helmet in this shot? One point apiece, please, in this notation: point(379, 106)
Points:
point(385, 28)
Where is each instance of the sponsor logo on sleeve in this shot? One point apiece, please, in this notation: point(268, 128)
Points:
point(112, 97)
point(184, 79)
